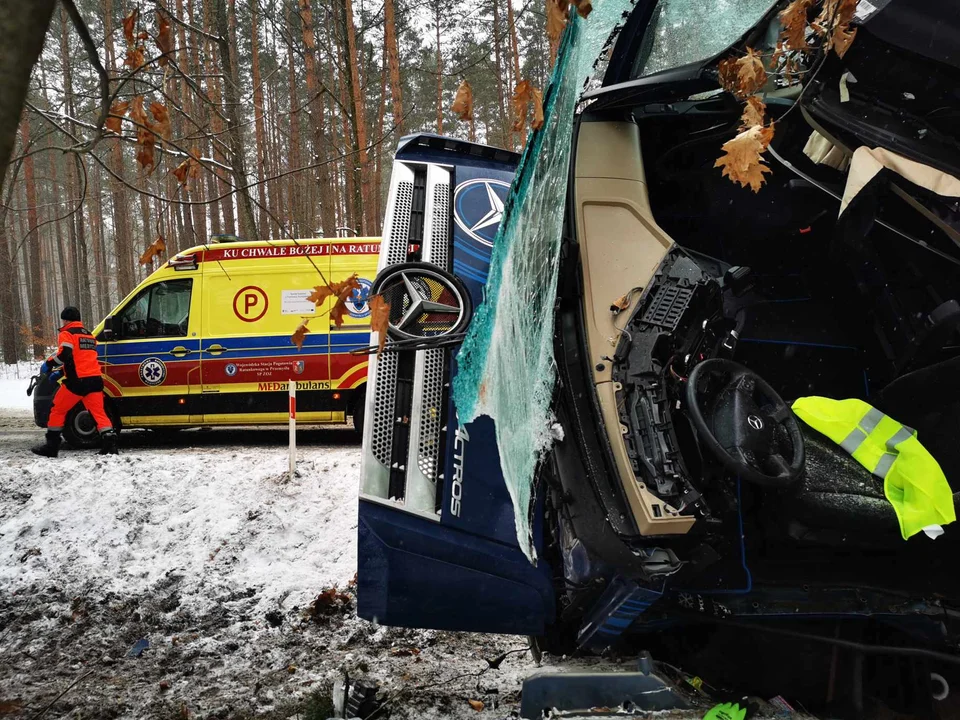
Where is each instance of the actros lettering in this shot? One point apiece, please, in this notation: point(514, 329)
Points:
point(460, 440)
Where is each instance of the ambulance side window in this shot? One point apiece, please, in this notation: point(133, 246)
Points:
point(161, 310)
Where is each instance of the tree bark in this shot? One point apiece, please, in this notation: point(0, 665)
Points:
point(121, 215)
point(294, 185)
point(393, 64)
point(258, 113)
point(38, 319)
point(505, 139)
point(512, 28)
point(436, 8)
point(102, 300)
point(359, 122)
point(315, 112)
point(10, 315)
point(23, 26)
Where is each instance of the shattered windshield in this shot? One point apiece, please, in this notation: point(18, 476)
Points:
point(685, 31)
point(506, 368)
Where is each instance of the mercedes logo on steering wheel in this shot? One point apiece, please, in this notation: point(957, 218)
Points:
point(755, 422)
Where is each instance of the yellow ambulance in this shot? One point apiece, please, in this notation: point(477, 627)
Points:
point(206, 339)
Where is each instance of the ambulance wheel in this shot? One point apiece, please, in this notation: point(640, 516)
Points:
point(359, 406)
point(80, 429)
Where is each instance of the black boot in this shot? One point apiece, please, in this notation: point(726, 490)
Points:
point(108, 443)
point(51, 448)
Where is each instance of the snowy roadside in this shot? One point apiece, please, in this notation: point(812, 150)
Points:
point(213, 557)
point(14, 380)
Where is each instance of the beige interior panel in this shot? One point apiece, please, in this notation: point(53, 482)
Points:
point(620, 243)
point(621, 247)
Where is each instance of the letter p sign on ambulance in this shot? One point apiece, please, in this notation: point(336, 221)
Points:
point(250, 303)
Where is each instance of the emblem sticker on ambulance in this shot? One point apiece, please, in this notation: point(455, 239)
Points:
point(425, 301)
point(357, 302)
point(153, 372)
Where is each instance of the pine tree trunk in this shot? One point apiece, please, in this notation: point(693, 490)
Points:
point(512, 28)
point(359, 122)
point(75, 189)
point(378, 150)
point(102, 302)
point(315, 111)
point(275, 190)
point(67, 270)
point(38, 320)
point(195, 189)
point(121, 217)
point(294, 183)
point(392, 53)
point(505, 136)
point(258, 113)
point(436, 18)
point(9, 287)
point(23, 26)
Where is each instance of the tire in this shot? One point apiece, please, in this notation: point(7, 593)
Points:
point(359, 412)
point(80, 429)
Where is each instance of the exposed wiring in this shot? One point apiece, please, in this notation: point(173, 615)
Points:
point(743, 559)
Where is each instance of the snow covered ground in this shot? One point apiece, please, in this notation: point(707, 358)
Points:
point(208, 552)
point(14, 380)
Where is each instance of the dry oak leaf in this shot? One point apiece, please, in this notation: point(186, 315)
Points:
point(753, 112)
point(135, 58)
point(157, 247)
point(524, 95)
point(834, 14)
point(584, 7)
point(476, 704)
point(162, 117)
point(742, 162)
point(337, 289)
point(794, 21)
point(146, 140)
point(463, 102)
point(164, 38)
point(128, 24)
point(557, 14)
point(189, 168)
point(842, 39)
point(520, 101)
point(341, 291)
point(299, 334)
point(537, 100)
point(114, 120)
point(751, 75)
point(379, 318)
point(833, 23)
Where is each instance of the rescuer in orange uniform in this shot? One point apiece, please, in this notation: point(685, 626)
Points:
point(76, 358)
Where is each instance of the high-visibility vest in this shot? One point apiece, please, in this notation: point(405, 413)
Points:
point(912, 479)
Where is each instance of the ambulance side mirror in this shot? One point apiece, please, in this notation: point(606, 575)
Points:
point(107, 333)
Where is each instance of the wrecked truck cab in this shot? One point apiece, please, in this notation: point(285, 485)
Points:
point(658, 477)
point(437, 546)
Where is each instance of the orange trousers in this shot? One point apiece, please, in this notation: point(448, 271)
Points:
point(64, 401)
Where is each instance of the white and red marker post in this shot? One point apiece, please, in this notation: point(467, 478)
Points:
point(292, 384)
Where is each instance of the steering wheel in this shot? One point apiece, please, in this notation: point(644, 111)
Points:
point(748, 426)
